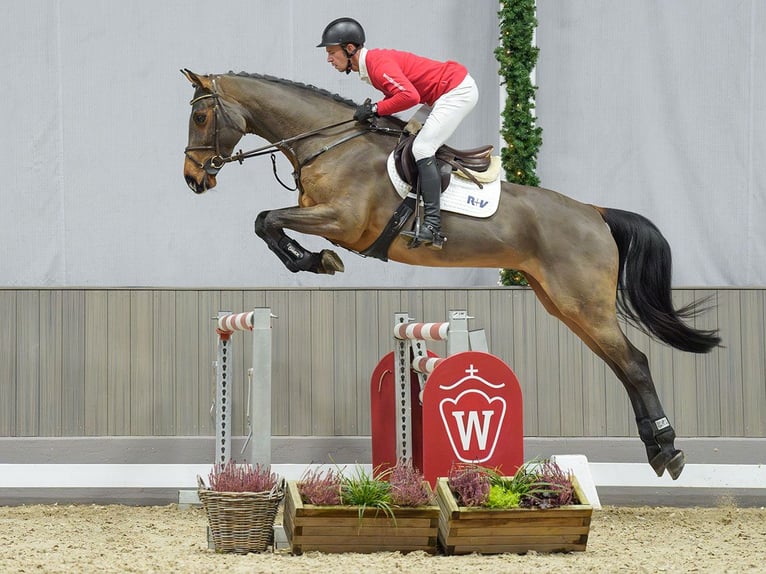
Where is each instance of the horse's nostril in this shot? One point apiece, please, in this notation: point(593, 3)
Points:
point(194, 186)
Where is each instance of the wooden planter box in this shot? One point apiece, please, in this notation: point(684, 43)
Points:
point(463, 530)
point(335, 529)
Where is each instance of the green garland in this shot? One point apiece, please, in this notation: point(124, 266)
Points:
point(517, 56)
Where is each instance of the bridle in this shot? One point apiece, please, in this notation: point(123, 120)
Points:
point(214, 164)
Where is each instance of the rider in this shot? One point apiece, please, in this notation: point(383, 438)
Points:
point(407, 80)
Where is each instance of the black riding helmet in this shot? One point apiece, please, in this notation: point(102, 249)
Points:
point(342, 31)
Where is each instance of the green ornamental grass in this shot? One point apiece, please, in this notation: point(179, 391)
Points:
point(364, 491)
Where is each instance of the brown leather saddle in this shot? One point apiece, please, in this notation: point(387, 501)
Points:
point(447, 159)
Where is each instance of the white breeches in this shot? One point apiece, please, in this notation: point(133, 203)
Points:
point(447, 113)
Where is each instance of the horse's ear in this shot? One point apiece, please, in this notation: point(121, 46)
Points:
point(198, 81)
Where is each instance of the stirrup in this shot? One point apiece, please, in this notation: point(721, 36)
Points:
point(425, 235)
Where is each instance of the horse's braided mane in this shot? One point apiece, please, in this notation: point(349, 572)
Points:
point(309, 87)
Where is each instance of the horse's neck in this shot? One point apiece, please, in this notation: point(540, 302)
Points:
point(279, 110)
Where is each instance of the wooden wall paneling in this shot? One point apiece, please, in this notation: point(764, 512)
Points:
point(348, 389)
point(730, 376)
point(141, 363)
point(617, 403)
point(28, 363)
point(754, 363)
point(209, 305)
point(570, 383)
point(549, 374)
point(595, 377)
point(8, 342)
point(187, 375)
point(707, 369)
point(685, 380)
point(498, 324)
point(372, 344)
point(278, 301)
point(389, 303)
point(323, 382)
point(252, 299)
point(50, 359)
point(479, 305)
point(164, 341)
point(118, 351)
point(525, 308)
point(96, 362)
point(455, 300)
point(411, 302)
point(73, 366)
point(298, 324)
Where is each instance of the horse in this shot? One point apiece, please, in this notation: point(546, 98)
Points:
point(589, 266)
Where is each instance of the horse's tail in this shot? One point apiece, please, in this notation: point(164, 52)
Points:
point(644, 285)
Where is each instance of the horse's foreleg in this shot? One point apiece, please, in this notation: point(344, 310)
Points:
point(595, 322)
point(291, 253)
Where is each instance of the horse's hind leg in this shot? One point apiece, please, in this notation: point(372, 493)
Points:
point(291, 253)
point(654, 428)
point(590, 313)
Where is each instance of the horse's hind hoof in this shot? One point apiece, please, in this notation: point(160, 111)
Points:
point(676, 464)
point(673, 463)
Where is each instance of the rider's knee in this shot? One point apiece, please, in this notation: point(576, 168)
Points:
point(422, 148)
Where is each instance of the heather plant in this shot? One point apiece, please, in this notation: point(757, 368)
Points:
point(233, 477)
point(552, 487)
point(408, 486)
point(470, 483)
point(320, 487)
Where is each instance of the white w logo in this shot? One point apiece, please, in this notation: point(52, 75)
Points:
point(467, 431)
point(473, 424)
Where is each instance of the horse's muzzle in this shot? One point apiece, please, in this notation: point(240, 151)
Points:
point(194, 185)
point(201, 185)
point(197, 177)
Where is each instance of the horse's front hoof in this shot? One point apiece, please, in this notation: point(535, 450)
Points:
point(330, 262)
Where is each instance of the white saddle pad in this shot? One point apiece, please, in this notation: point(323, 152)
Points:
point(462, 196)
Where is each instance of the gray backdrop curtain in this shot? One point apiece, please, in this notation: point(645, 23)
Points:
point(658, 107)
point(654, 106)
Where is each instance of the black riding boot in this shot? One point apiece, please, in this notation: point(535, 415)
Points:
point(430, 191)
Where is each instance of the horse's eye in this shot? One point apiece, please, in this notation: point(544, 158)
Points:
point(199, 119)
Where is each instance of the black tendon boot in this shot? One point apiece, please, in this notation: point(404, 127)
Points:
point(430, 191)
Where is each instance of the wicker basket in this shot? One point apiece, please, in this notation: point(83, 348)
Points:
point(241, 522)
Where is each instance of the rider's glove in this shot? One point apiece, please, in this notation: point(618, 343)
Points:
point(366, 111)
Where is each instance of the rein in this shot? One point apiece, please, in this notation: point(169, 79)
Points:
point(215, 163)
